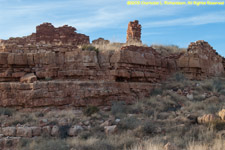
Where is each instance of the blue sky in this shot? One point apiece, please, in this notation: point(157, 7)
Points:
point(178, 25)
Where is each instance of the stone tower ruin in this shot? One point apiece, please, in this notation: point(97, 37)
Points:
point(134, 32)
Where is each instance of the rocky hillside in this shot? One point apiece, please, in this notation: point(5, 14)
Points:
point(58, 91)
point(180, 113)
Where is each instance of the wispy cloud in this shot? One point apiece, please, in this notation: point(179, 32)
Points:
point(115, 16)
point(215, 17)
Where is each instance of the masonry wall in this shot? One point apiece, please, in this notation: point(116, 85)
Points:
point(201, 61)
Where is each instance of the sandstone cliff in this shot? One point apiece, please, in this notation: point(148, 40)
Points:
point(48, 69)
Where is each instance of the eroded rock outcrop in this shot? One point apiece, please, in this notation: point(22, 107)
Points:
point(81, 77)
point(141, 64)
point(201, 61)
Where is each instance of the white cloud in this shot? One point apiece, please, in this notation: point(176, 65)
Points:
point(89, 15)
point(215, 17)
point(115, 15)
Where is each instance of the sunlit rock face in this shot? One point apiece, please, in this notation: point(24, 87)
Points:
point(48, 68)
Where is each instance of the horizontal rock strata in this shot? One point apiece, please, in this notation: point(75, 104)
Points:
point(48, 69)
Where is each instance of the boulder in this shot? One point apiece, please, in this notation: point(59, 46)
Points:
point(106, 123)
point(222, 114)
point(55, 131)
point(9, 131)
point(207, 118)
point(190, 96)
point(28, 78)
point(73, 131)
point(212, 99)
point(47, 130)
point(36, 131)
point(110, 129)
point(24, 132)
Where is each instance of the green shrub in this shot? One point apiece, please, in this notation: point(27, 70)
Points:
point(103, 145)
point(89, 110)
point(179, 77)
point(207, 87)
point(48, 79)
point(6, 111)
point(22, 119)
point(16, 122)
point(213, 108)
point(198, 97)
point(39, 114)
point(156, 91)
point(136, 108)
point(63, 131)
point(118, 107)
point(218, 125)
point(129, 123)
point(165, 50)
point(148, 127)
point(50, 144)
point(24, 142)
point(218, 84)
point(149, 112)
point(222, 92)
point(84, 135)
point(215, 85)
point(90, 48)
point(53, 122)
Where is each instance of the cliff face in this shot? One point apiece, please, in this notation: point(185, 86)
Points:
point(63, 74)
point(80, 77)
point(223, 63)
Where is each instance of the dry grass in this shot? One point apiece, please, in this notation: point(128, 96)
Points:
point(218, 144)
point(111, 142)
point(168, 49)
point(77, 142)
point(114, 46)
point(109, 47)
point(147, 145)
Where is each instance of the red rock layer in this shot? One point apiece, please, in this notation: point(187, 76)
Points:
point(223, 63)
point(47, 69)
point(79, 77)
